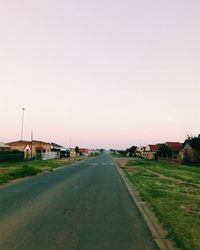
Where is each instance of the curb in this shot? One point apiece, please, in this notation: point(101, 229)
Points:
point(158, 233)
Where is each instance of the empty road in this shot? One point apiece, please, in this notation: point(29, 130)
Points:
point(83, 206)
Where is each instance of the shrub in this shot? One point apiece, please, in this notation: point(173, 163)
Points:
point(11, 156)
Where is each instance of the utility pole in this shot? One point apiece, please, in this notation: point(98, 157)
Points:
point(23, 109)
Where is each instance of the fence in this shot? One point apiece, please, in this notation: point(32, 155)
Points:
point(173, 158)
point(50, 155)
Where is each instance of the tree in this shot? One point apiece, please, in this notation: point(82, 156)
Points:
point(68, 153)
point(131, 151)
point(190, 137)
point(164, 151)
point(77, 150)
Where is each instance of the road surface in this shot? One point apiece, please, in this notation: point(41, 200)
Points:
point(83, 206)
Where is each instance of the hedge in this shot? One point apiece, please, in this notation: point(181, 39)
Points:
point(11, 156)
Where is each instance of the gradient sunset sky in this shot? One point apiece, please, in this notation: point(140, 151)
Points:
point(107, 73)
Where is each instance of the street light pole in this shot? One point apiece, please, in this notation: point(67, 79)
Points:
point(23, 109)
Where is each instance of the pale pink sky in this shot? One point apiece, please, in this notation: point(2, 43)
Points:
point(107, 73)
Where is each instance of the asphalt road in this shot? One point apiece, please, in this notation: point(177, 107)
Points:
point(84, 206)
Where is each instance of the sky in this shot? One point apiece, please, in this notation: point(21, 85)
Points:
point(100, 74)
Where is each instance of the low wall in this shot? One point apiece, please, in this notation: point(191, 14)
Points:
point(50, 155)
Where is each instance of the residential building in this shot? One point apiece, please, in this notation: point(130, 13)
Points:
point(4, 147)
point(85, 151)
point(150, 151)
point(62, 151)
point(176, 147)
point(72, 153)
point(191, 150)
point(37, 149)
point(140, 151)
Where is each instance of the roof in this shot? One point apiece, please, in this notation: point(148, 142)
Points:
point(57, 146)
point(174, 145)
point(154, 147)
point(83, 150)
point(194, 142)
point(17, 143)
point(3, 145)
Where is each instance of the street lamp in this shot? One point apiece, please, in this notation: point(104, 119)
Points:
point(23, 109)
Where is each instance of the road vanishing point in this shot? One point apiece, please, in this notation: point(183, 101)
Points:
point(83, 206)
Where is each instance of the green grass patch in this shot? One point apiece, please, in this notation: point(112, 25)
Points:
point(19, 172)
point(182, 172)
point(177, 205)
point(15, 170)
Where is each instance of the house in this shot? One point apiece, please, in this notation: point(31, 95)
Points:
point(152, 148)
point(72, 153)
point(37, 149)
point(84, 151)
point(4, 147)
point(140, 151)
point(150, 151)
point(62, 151)
point(176, 147)
point(191, 150)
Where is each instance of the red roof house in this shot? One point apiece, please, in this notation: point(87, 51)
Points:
point(84, 150)
point(153, 147)
point(175, 146)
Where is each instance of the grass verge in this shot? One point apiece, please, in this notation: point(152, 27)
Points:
point(12, 171)
point(181, 172)
point(177, 205)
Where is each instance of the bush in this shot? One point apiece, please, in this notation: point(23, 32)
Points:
point(11, 156)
